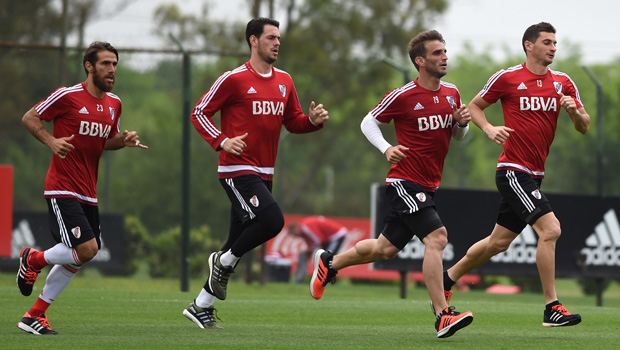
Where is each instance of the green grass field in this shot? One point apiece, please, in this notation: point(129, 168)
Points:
point(98, 312)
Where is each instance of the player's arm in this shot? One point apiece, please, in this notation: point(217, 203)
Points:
point(370, 128)
point(127, 138)
point(59, 146)
point(579, 116)
point(497, 134)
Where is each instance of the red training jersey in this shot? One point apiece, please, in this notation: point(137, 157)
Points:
point(531, 106)
point(76, 112)
point(252, 103)
point(423, 121)
point(319, 230)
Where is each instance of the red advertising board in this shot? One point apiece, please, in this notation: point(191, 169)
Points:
point(288, 247)
point(6, 209)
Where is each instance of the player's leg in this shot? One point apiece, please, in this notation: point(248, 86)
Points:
point(432, 266)
point(74, 225)
point(481, 251)
point(548, 229)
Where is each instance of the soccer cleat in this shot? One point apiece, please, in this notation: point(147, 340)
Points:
point(450, 321)
point(26, 275)
point(203, 317)
point(218, 276)
point(447, 294)
point(560, 317)
point(36, 325)
point(323, 273)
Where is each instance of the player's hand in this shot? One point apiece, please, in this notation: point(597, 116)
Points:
point(568, 103)
point(235, 145)
point(318, 114)
point(61, 146)
point(498, 134)
point(461, 114)
point(396, 153)
point(131, 139)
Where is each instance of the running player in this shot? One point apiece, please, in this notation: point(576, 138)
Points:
point(531, 95)
point(86, 122)
point(427, 113)
point(255, 100)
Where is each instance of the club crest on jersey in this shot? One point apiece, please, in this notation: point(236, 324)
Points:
point(421, 196)
point(558, 87)
point(111, 113)
point(77, 233)
point(254, 201)
point(282, 90)
point(450, 100)
point(536, 194)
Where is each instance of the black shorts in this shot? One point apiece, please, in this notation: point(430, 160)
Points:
point(249, 195)
point(72, 222)
point(522, 202)
point(412, 213)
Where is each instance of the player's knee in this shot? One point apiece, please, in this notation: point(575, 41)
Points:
point(437, 240)
point(87, 251)
point(551, 233)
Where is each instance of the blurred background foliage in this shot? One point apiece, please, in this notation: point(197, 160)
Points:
point(334, 50)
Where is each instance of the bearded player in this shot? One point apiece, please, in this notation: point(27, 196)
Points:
point(86, 122)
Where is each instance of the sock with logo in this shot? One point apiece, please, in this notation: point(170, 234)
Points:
point(447, 281)
point(57, 280)
point(552, 304)
point(60, 254)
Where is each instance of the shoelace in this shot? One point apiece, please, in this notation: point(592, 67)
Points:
point(561, 309)
point(208, 315)
point(30, 276)
point(222, 274)
point(43, 321)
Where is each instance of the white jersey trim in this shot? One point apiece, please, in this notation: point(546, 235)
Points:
point(520, 167)
point(69, 193)
point(235, 168)
point(55, 96)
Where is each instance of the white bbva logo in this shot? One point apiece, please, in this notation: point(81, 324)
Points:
point(535, 103)
point(267, 108)
point(94, 129)
point(434, 122)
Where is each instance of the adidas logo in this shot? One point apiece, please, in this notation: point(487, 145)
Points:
point(522, 87)
point(414, 250)
point(251, 90)
point(418, 106)
point(603, 246)
point(21, 237)
point(522, 250)
point(84, 111)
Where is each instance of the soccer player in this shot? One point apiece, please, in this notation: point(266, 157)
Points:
point(427, 113)
point(254, 101)
point(318, 232)
point(86, 122)
point(531, 95)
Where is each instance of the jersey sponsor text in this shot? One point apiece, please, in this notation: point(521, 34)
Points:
point(267, 108)
point(435, 122)
point(537, 103)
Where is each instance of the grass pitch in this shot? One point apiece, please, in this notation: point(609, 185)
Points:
point(137, 313)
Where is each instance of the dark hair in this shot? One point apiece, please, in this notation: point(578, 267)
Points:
point(417, 47)
point(93, 49)
point(255, 27)
point(532, 33)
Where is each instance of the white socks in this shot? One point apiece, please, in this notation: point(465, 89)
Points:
point(60, 254)
point(204, 299)
point(228, 259)
point(57, 280)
